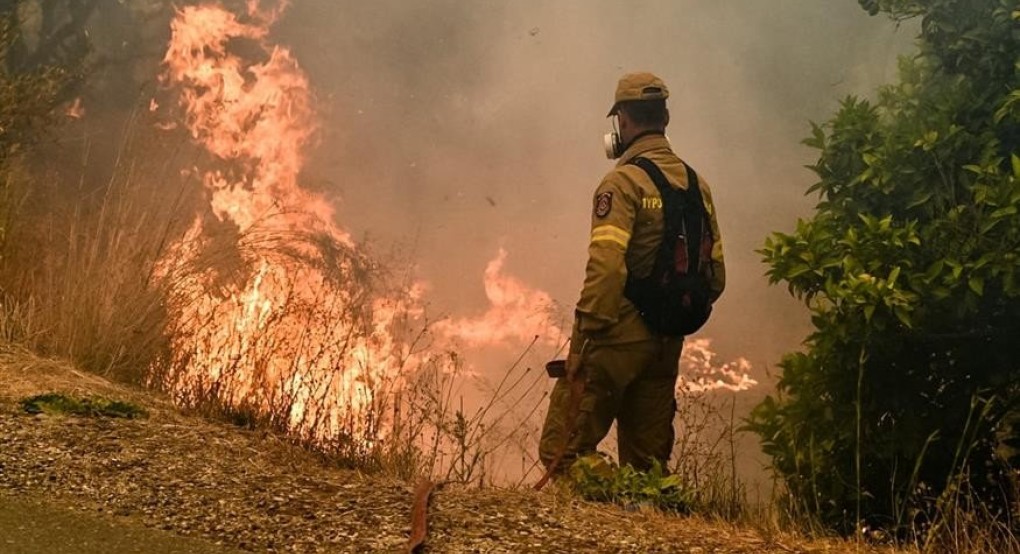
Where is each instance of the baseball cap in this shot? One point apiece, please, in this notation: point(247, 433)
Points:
point(638, 86)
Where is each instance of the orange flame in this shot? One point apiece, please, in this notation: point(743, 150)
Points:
point(699, 372)
point(259, 114)
point(273, 308)
point(289, 331)
point(76, 110)
point(517, 313)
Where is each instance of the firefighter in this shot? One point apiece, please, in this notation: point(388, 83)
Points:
point(629, 373)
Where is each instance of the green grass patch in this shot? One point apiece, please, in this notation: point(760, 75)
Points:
point(94, 406)
point(596, 478)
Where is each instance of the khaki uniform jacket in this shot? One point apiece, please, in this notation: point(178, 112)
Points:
point(626, 230)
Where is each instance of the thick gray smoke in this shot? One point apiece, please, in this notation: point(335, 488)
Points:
point(457, 127)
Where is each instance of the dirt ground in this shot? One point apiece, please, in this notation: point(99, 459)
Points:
point(253, 491)
point(34, 527)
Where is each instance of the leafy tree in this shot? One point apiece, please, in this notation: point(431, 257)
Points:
point(906, 389)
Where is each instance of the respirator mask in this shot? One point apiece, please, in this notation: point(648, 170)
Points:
point(612, 142)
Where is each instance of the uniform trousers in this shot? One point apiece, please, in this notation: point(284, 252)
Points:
point(633, 384)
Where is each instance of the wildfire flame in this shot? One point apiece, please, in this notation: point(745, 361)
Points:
point(700, 373)
point(259, 114)
point(289, 328)
point(76, 110)
point(274, 309)
point(516, 313)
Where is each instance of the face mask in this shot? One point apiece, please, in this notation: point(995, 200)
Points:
point(612, 143)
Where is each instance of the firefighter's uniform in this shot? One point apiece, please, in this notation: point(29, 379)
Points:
point(630, 372)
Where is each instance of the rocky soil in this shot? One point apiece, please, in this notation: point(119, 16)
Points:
point(255, 492)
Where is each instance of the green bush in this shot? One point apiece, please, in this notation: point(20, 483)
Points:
point(596, 478)
point(910, 269)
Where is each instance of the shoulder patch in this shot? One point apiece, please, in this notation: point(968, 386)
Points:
point(603, 204)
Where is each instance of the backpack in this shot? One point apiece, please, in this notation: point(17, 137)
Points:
point(675, 298)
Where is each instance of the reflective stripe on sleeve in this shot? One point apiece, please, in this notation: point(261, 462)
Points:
point(610, 233)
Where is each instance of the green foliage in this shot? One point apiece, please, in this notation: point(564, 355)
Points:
point(54, 403)
point(910, 269)
point(599, 479)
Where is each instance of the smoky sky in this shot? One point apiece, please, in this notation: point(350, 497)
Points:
point(451, 128)
point(454, 128)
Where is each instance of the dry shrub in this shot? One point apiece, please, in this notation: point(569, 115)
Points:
point(963, 522)
point(283, 326)
point(705, 451)
point(286, 326)
point(450, 441)
point(77, 261)
point(81, 278)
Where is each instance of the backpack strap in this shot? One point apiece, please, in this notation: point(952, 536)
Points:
point(690, 198)
point(653, 171)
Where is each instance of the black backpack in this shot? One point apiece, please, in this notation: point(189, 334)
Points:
point(675, 298)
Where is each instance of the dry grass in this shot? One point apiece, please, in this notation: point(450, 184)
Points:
point(478, 445)
point(962, 523)
point(80, 279)
point(259, 492)
point(705, 453)
point(77, 264)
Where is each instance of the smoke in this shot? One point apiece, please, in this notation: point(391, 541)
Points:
point(454, 129)
point(461, 128)
point(465, 130)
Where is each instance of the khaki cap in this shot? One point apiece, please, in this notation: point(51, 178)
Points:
point(638, 86)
